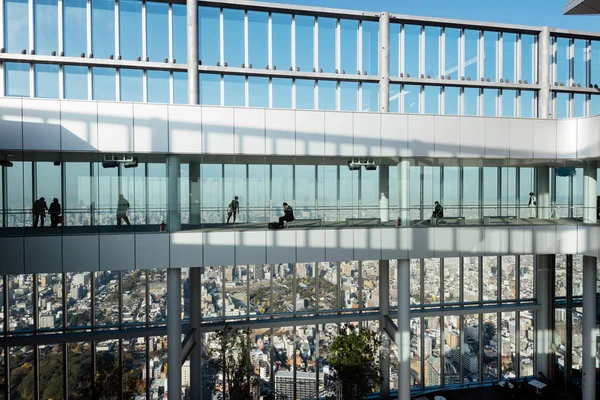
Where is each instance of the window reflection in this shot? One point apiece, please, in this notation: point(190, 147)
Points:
point(75, 82)
point(209, 30)
point(46, 26)
point(46, 81)
point(130, 29)
point(103, 84)
point(103, 28)
point(327, 48)
point(282, 40)
point(233, 36)
point(349, 46)
point(157, 31)
point(179, 33)
point(258, 40)
point(304, 42)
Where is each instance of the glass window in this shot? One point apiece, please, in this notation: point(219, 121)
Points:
point(258, 92)
point(75, 27)
point(416, 339)
point(179, 33)
point(158, 86)
point(490, 41)
point(305, 94)
point(327, 192)
point(349, 46)
point(16, 25)
point(509, 100)
point(283, 301)
point(304, 42)
point(131, 85)
point(103, 28)
point(107, 293)
point(209, 30)
point(470, 192)
point(235, 90)
point(432, 99)
point(432, 62)
point(327, 49)
point(451, 346)
point(76, 82)
point(451, 196)
point(414, 192)
point(595, 62)
point(130, 29)
point(180, 94)
point(415, 281)
point(349, 281)
point(282, 41)
point(349, 96)
point(490, 278)
point(528, 106)
point(509, 277)
point(471, 102)
point(305, 287)
point(157, 31)
point(431, 352)
point(78, 194)
point(51, 371)
point(431, 186)
point(508, 345)
point(452, 280)
point(233, 36)
point(432, 280)
point(579, 101)
point(50, 311)
point(562, 105)
point(562, 60)
point(210, 89)
point(46, 26)
point(328, 286)
point(370, 97)
point(490, 99)
point(394, 49)
point(490, 347)
point(471, 279)
point(527, 58)
point(595, 105)
point(327, 95)
point(526, 276)
point(370, 284)
point(452, 38)
point(394, 97)
point(17, 79)
point(508, 191)
point(282, 93)
point(509, 47)
point(21, 360)
point(579, 62)
point(258, 52)
point(370, 48)
point(411, 99)
point(471, 55)
point(527, 349)
point(411, 51)
point(471, 347)
point(103, 84)
point(46, 80)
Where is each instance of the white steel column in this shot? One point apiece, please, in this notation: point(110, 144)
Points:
point(543, 194)
point(404, 184)
point(544, 73)
point(542, 316)
point(384, 62)
point(589, 328)
point(403, 334)
point(174, 332)
point(173, 217)
point(384, 311)
point(192, 50)
point(196, 354)
point(590, 211)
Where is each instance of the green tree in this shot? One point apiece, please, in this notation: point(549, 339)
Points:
point(353, 358)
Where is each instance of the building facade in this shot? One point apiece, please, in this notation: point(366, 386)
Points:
point(145, 119)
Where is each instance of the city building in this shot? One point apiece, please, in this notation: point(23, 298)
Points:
point(145, 119)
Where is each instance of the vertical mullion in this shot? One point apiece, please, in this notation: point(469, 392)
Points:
point(145, 53)
point(359, 49)
point(461, 53)
point(571, 62)
point(499, 57)
point(401, 54)
point(117, 31)
point(315, 97)
point(421, 51)
point(338, 96)
point(270, 92)
point(518, 343)
point(293, 46)
point(269, 39)
point(247, 90)
point(170, 19)
point(480, 56)
point(221, 41)
point(316, 44)
point(88, 13)
point(118, 85)
point(61, 68)
point(246, 56)
point(518, 59)
point(442, 63)
point(401, 99)
point(293, 94)
point(171, 88)
point(31, 24)
point(338, 46)
point(588, 76)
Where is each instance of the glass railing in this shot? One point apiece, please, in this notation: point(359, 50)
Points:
point(84, 220)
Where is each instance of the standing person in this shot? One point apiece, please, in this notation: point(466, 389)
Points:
point(438, 211)
point(532, 204)
point(288, 214)
point(233, 209)
point(54, 212)
point(39, 212)
point(122, 207)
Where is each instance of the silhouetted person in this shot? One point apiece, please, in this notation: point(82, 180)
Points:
point(438, 211)
point(288, 214)
point(39, 211)
point(233, 209)
point(122, 207)
point(531, 205)
point(54, 212)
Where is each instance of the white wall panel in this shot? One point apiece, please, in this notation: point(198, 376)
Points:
point(339, 244)
point(566, 138)
point(185, 129)
point(421, 241)
point(249, 130)
point(151, 250)
point(421, 135)
point(496, 240)
point(394, 135)
point(472, 240)
point(43, 254)
point(310, 133)
point(217, 130)
point(115, 127)
point(81, 253)
point(472, 137)
point(521, 240)
point(117, 252)
point(13, 255)
point(219, 248)
point(150, 128)
point(392, 246)
point(367, 134)
point(281, 132)
point(447, 241)
point(497, 137)
point(544, 138)
point(544, 239)
point(311, 245)
point(186, 249)
point(447, 136)
point(521, 138)
point(367, 244)
point(11, 124)
point(78, 125)
point(339, 132)
point(281, 246)
point(250, 247)
point(588, 134)
point(588, 240)
point(566, 239)
point(41, 124)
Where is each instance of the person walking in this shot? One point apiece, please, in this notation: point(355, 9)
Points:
point(233, 209)
point(54, 212)
point(532, 204)
point(39, 212)
point(122, 207)
point(288, 214)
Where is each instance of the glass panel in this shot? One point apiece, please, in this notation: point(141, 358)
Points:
point(327, 193)
point(595, 62)
point(75, 81)
point(509, 47)
point(258, 40)
point(46, 80)
point(282, 93)
point(394, 98)
point(490, 40)
point(132, 85)
point(158, 86)
point(416, 339)
point(327, 95)
point(283, 288)
point(327, 333)
point(411, 99)
point(562, 60)
point(451, 196)
point(46, 26)
point(348, 96)
point(305, 287)
point(370, 284)
point(304, 42)
point(393, 284)
point(490, 347)
point(208, 30)
point(179, 33)
point(527, 58)
point(327, 53)
point(107, 367)
point(577, 275)
point(561, 101)
point(394, 50)
point(79, 360)
point(349, 285)
point(78, 299)
point(431, 339)
point(451, 100)
point(560, 276)
point(527, 277)
point(258, 92)
point(2, 305)
point(452, 40)
point(432, 280)
point(134, 367)
point(130, 29)
point(470, 192)
point(411, 51)
point(212, 288)
point(134, 296)
point(349, 46)
point(17, 79)
point(490, 99)
point(432, 63)
point(369, 195)
point(509, 100)
point(370, 49)
point(471, 54)
point(451, 350)
point(180, 94)
point(452, 280)
point(471, 347)
point(579, 62)
point(106, 297)
point(431, 188)
point(16, 25)
point(103, 84)
point(260, 291)
point(432, 99)
point(75, 27)
point(21, 362)
point(508, 345)
point(528, 106)
point(579, 108)
point(283, 349)
point(305, 94)
point(282, 41)
point(157, 31)
point(235, 90)
point(509, 279)
point(50, 311)
point(51, 372)
point(490, 278)
point(20, 304)
point(415, 281)
point(527, 349)
point(103, 28)
point(233, 36)
point(210, 89)
point(157, 290)
point(471, 101)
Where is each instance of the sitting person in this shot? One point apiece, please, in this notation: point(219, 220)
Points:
point(438, 212)
point(288, 214)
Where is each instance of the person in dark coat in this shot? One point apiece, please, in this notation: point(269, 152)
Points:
point(438, 211)
point(233, 209)
point(288, 214)
point(54, 212)
point(39, 212)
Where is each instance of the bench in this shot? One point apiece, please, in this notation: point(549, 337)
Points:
point(506, 219)
point(436, 221)
point(353, 221)
point(306, 222)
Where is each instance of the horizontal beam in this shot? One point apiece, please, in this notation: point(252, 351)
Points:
point(464, 83)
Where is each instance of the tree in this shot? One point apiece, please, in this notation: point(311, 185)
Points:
point(353, 358)
point(231, 356)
